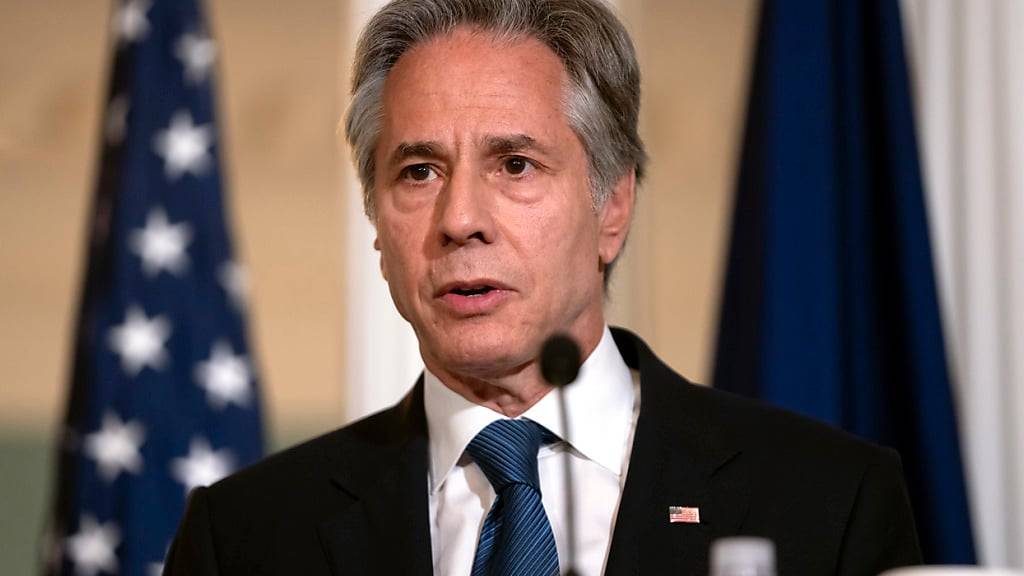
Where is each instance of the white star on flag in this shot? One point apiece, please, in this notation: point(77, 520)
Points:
point(130, 22)
point(115, 446)
point(184, 146)
point(202, 466)
point(140, 341)
point(161, 245)
point(197, 53)
point(225, 377)
point(117, 119)
point(235, 280)
point(92, 548)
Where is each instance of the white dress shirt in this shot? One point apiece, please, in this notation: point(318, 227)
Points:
point(602, 408)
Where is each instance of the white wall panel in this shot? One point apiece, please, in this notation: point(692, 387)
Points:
point(969, 85)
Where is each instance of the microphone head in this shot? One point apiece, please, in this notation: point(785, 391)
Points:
point(560, 360)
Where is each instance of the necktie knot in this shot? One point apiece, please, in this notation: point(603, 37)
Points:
point(506, 451)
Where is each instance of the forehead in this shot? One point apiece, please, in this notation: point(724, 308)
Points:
point(470, 79)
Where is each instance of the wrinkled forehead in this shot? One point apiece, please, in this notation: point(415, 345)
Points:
point(473, 78)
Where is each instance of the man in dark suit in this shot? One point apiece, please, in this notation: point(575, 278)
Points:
point(497, 145)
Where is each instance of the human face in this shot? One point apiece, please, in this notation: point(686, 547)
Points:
point(486, 230)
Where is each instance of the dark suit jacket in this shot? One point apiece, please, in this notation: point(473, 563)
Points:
point(355, 501)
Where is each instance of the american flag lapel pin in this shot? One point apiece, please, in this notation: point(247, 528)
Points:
point(683, 515)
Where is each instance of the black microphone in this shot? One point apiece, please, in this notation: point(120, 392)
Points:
point(560, 364)
point(560, 360)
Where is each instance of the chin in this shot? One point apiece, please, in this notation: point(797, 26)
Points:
point(481, 353)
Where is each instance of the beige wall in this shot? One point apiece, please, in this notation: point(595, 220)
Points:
point(50, 75)
point(281, 71)
point(694, 60)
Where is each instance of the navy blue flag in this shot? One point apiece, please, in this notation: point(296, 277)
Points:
point(830, 306)
point(163, 394)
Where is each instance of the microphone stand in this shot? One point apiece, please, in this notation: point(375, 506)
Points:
point(570, 508)
point(560, 364)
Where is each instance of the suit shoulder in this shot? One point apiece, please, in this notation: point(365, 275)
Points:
point(722, 417)
point(307, 464)
point(762, 424)
point(268, 514)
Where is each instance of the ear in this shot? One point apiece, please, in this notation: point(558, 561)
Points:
point(380, 260)
point(615, 217)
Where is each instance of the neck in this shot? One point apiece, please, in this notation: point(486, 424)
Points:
point(514, 392)
point(509, 395)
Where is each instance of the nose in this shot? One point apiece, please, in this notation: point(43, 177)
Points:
point(465, 212)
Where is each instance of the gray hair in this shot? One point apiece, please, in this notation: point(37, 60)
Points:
point(602, 103)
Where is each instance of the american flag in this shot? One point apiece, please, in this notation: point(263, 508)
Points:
point(683, 515)
point(163, 394)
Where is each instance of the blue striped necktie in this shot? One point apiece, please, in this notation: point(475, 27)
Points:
point(516, 539)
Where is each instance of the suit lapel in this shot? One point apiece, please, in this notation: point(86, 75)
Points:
point(386, 528)
point(678, 453)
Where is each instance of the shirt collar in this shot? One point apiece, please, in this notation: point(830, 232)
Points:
point(599, 405)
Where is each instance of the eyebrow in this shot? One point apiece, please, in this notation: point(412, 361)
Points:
point(510, 144)
point(421, 149)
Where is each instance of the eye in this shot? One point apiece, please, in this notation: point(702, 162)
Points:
point(517, 165)
point(419, 173)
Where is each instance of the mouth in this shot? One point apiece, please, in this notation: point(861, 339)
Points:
point(473, 292)
point(471, 289)
point(473, 297)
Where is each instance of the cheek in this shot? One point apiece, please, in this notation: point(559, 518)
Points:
point(398, 258)
point(400, 272)
point(561, 243)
